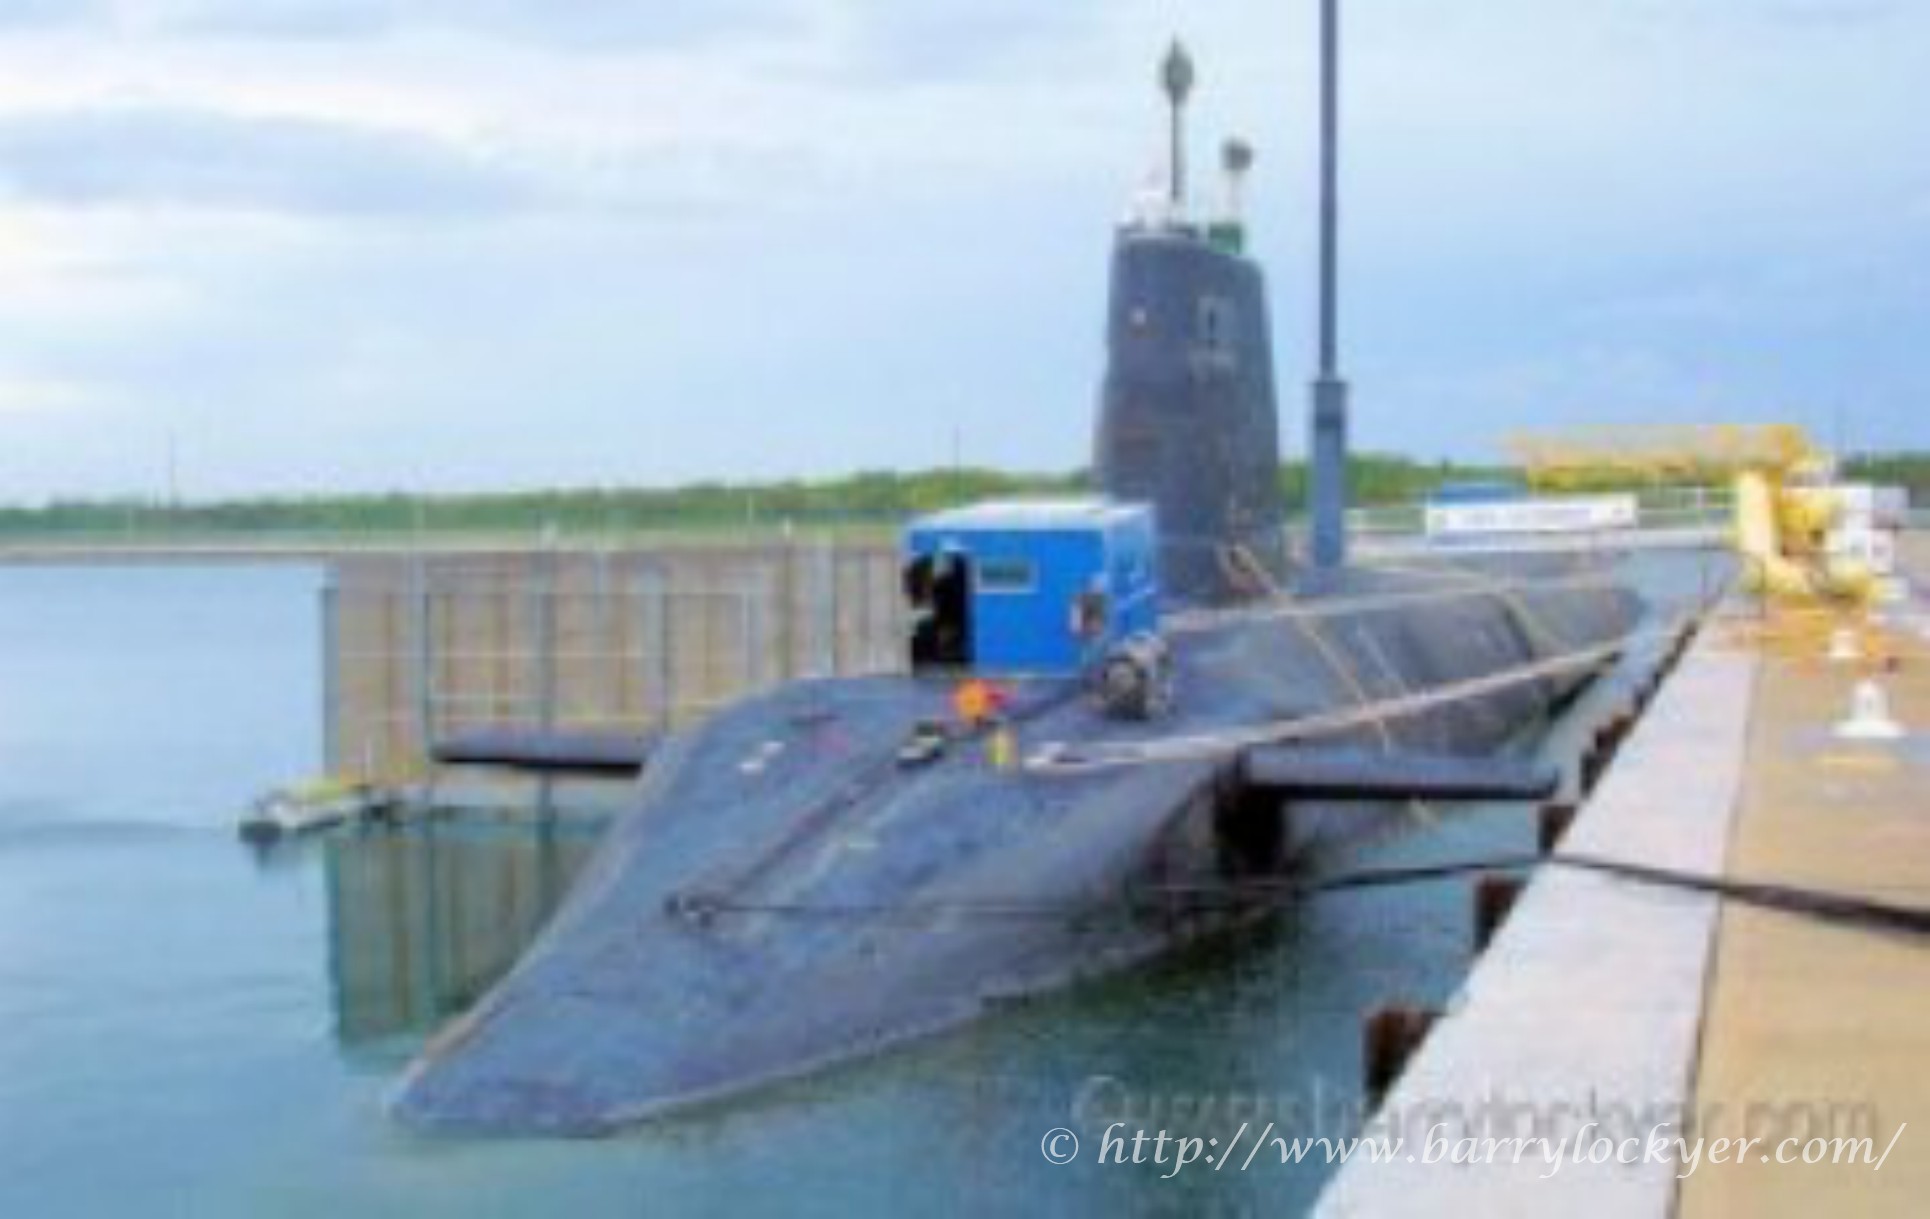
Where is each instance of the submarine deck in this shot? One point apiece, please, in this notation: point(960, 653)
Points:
point(1632, 1004)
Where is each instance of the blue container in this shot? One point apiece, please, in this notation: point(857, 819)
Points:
point(1030, 587)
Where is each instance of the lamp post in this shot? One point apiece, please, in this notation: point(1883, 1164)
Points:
point(1327, 474)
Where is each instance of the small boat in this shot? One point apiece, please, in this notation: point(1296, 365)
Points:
point(306, 808)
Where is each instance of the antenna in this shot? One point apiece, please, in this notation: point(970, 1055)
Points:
point(1176, 76)
point(1236, 159)
point(1228, 230)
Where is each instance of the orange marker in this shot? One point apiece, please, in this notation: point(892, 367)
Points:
point(977, 701)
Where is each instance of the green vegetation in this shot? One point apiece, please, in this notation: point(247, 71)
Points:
point(870, 498)
point(1909, 470)
point(859, 498)
point(1377, 480)
point(873, 499)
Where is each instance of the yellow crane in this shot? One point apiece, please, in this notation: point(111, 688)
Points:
point(1785, 505)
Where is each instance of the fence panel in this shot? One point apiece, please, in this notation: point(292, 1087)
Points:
point(420, 648)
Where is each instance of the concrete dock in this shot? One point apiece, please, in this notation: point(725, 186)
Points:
point(1812, 1029)
point(1607, 1006)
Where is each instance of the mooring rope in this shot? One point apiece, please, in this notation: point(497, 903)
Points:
point(1851, 910)
point(1065, 760)
point(1824, 905)
point(1363, 701)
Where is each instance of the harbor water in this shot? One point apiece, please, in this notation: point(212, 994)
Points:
point(188, 1028)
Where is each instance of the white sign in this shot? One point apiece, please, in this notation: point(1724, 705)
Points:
point(1870, 507)
point(1579, 514)
point(1867, 532)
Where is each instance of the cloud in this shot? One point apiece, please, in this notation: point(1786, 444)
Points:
point(214, 160)
point(22, 393)
point(1822, 13)
point(918, 39)
point(957, 39)
point(427, 242)
point(580, 24)
point(33, 14)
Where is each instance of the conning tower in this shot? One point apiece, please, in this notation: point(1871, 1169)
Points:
point(1187, 419)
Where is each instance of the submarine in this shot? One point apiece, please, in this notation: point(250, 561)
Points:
point(1122, 720)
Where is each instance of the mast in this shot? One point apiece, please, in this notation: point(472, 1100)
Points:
point(1176, 75)
point(1327, 475)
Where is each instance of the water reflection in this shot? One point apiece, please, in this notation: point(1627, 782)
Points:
point(423, 918)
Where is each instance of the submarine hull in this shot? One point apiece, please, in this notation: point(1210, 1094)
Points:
point(785, 894)
point(788, 893)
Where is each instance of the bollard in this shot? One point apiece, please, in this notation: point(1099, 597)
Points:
point(1870, 718)
point(1843, 646)
point(1388, 1040)
point(1494, 899)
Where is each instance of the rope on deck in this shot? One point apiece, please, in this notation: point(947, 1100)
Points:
point(1849, 910)
point(1064, 760)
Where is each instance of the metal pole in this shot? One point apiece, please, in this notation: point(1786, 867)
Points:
point(423, 641)
point(543, 603)
point(660, 675)
point(822, 643)
point(1177, 151)
point(750, 621)
point(608, 639)
point(1177, 76)
point(332, 761)
point(1327, 475)
point(1329, 188)
point(543, 638)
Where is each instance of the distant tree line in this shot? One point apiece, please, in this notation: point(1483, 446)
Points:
point(873, 497)
point(1908, 470)
point(858, 498)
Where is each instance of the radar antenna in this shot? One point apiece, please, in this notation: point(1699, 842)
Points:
point(1176, 76)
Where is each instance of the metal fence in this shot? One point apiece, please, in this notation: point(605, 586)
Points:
point(419, 648)
point(1660, 508)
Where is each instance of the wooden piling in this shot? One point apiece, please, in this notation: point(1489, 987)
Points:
point(1552, 824)
point(1389, 1039)
point(1494, 899)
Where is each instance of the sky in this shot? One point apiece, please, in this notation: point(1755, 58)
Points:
point(437, 245)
